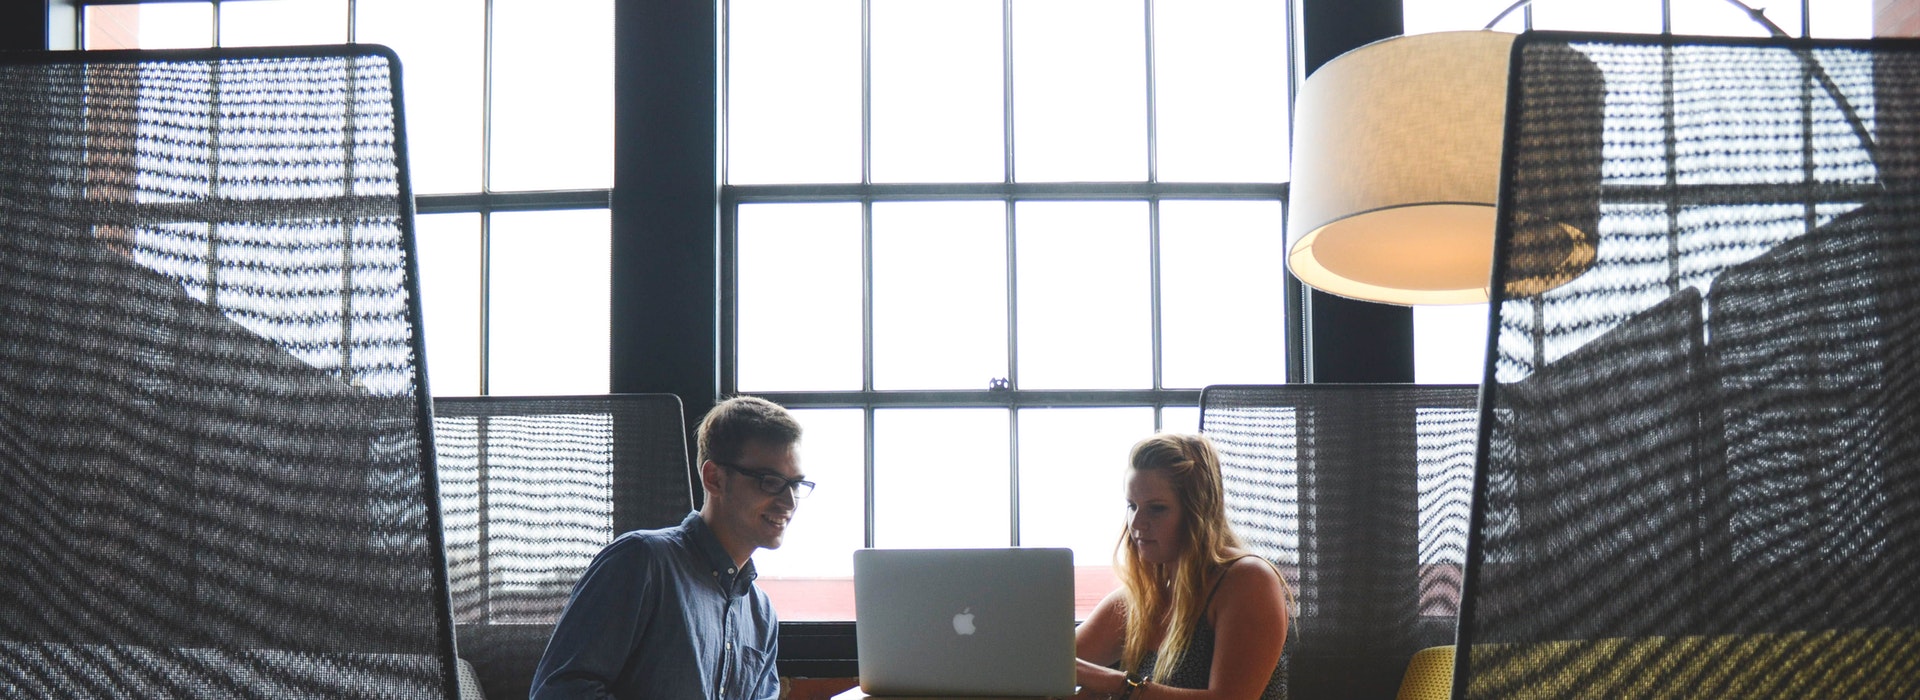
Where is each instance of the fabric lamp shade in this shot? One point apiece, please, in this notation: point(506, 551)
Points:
point(1396, 171)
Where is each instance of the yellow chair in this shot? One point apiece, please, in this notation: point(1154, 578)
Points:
point(1429, 675)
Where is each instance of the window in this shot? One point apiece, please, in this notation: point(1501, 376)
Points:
point(982, 247)
point(1450, 341)
point(508, 157)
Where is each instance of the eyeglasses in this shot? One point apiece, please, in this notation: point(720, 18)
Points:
point(773, 484)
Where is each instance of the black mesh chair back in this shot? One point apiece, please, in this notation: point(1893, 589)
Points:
point(1360, 494)
point(1700, 475)
point(532, 488)
point(216, 478)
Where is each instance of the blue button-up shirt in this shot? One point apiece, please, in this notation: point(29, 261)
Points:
point(663, 614)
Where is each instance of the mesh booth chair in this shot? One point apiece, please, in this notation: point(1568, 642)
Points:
point(532, 488)
point(1700, 473)
point(1360, 494)
point(215, 475)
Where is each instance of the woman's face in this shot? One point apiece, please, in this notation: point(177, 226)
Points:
point(1154, 517)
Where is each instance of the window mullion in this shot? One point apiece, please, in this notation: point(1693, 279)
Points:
point(1006, 90)
point(866, 261)
point(1013, 476)
point(486, 188)
point(866, 295)
point(1153, 132)
point(867, 473)
point(1155, 327)
point(866, 92)
point(1013, 297)
point(1153, 209)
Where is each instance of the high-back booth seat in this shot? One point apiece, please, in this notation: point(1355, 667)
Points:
point(216, 467)
point(1360, 493)
point(532, 487)
point(1699, 473)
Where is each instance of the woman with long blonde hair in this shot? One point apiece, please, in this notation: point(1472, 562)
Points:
point(1198, 615)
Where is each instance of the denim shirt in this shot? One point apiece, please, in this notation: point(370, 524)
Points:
point(663, 614)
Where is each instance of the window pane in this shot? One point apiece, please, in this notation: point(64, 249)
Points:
point(1723, 19)
point(793, 91)
point(548, 297)
point(1080, 90)
point(1424, 16)
point(939, 294)
point(1222, 300)
point(937, 91)
point(283, 22)
point(1073, 465)
point(940, 478)
point(1180, 419)
point(810, 577)
point(449, 252)
point(159, 26)
point(441, 44)
point(798, 297)
point(552, 95)
point(1220, 91)
point(1843, 19)
point(1083, 295)
point(1449, 343)
point(1631, 16)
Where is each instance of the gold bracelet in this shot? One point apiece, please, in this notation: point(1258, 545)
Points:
point(1134, 683)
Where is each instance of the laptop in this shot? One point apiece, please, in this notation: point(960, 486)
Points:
point(964, 623)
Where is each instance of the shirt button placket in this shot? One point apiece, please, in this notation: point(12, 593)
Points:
point(726, 633)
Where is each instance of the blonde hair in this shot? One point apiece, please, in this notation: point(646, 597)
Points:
point(1192, 467)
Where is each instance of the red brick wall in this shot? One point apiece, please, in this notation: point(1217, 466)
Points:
point(1896, 17)
point(118, 27)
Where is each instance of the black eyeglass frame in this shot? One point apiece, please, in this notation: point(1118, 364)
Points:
point(772, 484)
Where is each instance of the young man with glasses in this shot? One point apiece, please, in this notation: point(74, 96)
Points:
point(674, 613)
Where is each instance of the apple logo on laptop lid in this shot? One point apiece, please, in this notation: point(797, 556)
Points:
point(963, 621)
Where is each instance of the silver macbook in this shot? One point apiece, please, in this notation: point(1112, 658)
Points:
point(964, 622)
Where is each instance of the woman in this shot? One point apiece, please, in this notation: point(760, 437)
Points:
point(1199, 616)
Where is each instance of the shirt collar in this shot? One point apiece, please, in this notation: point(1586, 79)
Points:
point(716, 557)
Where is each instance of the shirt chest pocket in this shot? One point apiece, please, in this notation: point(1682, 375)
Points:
point(750, 667)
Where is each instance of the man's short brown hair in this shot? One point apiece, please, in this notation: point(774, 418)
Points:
point(730, 426)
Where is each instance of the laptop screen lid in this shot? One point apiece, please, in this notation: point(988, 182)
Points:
point(964, 622)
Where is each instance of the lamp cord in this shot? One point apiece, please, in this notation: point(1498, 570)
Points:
point(1759, 16)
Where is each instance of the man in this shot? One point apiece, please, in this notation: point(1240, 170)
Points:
point(674, 613)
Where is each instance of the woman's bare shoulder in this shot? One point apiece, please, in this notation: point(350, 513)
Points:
point(1251, 575)
point(1114, 605)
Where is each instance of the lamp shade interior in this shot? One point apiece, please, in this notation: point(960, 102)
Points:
point(1423, 254)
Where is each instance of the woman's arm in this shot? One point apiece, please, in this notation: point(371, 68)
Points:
point(1249, 629)
point(1098, 643)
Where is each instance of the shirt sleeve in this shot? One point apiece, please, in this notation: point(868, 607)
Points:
point(600, 625)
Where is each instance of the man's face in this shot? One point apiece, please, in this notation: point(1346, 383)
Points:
point(745, 513)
